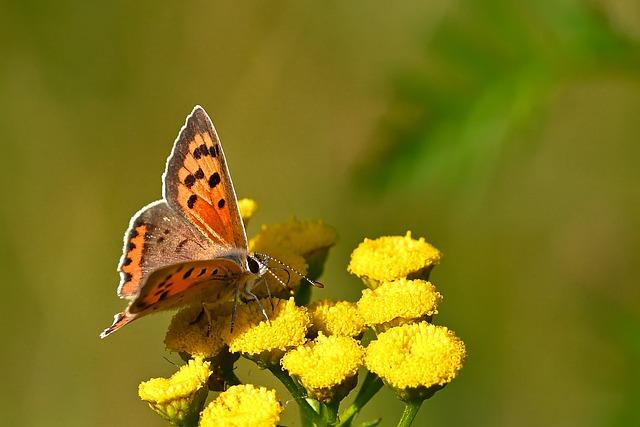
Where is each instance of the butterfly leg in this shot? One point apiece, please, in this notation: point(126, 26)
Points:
point(234, 310)
point(204, 311)
point(257, 300)
point(266, 285)
point(249, 285)
point(198, 317)
point(208, 314)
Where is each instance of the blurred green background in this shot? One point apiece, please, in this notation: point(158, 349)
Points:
point(505, 132)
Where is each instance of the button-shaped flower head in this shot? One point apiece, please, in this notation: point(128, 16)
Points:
point(390, 258)
point(178, 399)
point(416, 359)
point(398, 302)
point(335, 318)
point(192, 332)
point(326, 367)
point(243, 406)
point(265, 341)
point(247, 208)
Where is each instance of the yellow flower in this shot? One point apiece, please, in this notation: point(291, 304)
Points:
point(243, 406)
point(416, 359)
point(287, 275)
point(326, 367)
point(393, 257)
point(197, 338)
point(266, 341)
point(310, 239)
point(178, 399)
point(397, 302)
point(335, 318)
point(248, 208)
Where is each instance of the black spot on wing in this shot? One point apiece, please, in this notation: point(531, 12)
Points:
point(214, 179)
point(141, 305)
point(187, 273)
point(199, 174)
point(192, 201)
point(189, 180)
point(221, 203)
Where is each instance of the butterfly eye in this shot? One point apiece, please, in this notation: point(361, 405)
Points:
point(254, 267)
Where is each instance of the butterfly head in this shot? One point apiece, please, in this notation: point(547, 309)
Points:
point(256, 265)
point(259, 264)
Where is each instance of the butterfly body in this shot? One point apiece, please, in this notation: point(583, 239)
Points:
point(191, 246)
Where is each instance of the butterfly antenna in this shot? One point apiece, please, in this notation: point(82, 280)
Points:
point(275, 276)
point(282, 269)
point(314, 283)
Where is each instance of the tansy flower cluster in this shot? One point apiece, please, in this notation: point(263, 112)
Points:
point(317, 350)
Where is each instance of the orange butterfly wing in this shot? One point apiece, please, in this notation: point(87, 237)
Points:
point(175, 285)
point(197, 183)
point(190, 246)
point(178, 285)
point(157, 236)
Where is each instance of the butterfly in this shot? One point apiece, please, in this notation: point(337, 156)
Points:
point(191, 246)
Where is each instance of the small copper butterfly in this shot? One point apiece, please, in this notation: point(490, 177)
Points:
point(191, 246)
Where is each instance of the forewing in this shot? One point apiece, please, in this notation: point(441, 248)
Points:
point(158, 237)
point(179, 285)
point(197, 182)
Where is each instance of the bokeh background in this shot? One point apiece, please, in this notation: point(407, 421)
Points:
point(505, 132)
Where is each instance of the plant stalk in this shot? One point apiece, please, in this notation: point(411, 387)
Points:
point(329, 413)
point(410, 411)
point(307, 413)
point(370, 386)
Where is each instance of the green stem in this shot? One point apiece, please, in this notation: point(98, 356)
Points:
point(370, 386)
point(192, 418)
point(410, 411)
point(306, 411)
point(191, 421)
point(329, 413)
point(226, 362)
